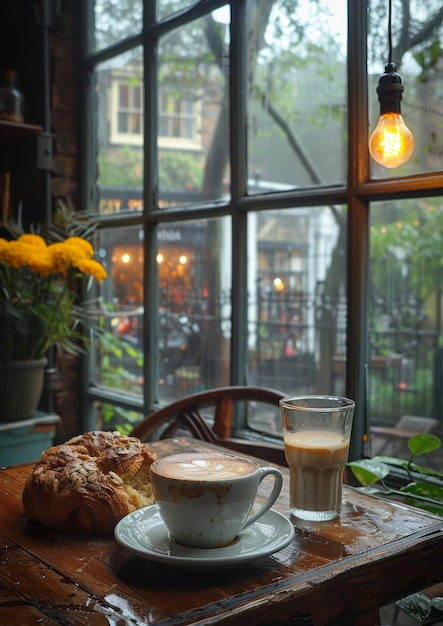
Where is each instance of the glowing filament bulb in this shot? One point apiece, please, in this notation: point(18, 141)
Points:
point(391, 144)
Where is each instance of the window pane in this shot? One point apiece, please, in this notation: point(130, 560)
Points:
point(110, 417)
point(194, 308)
point(417, 58)
point(194, 279)
point(119, 356)
point(116, 20)
point(193, 99)
point(122, 122)
point(120, 133)
point(405, 315)
point(123, 96)
point(137, 97)
point(297, 98)
point(166, 8)
point(297, 300)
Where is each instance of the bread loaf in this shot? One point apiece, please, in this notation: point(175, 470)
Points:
point(89, 483)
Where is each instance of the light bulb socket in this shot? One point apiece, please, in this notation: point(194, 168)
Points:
point(390, 90)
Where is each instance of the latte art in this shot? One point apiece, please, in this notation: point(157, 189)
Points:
point(204, 467)
point(205, 499)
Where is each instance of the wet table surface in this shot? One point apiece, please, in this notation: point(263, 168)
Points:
point(331, 572)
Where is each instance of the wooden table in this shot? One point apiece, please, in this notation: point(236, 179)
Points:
point(332, 573)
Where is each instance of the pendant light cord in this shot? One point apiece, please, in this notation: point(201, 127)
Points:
point(390, 31)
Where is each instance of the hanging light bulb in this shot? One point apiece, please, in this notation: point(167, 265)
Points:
point(391, 143)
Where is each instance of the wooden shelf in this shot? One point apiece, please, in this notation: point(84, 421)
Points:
point(13, 130)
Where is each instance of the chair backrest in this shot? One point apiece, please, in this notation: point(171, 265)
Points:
point(415, 423)
point(185, 413)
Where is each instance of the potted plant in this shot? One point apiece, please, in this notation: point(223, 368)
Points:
point(417, 486)
point(39, 310)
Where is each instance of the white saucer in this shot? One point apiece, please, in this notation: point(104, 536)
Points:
point(143, 533)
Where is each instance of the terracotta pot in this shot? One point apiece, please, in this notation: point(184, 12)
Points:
point(21, 385)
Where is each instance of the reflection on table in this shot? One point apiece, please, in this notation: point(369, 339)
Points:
point(331, 573)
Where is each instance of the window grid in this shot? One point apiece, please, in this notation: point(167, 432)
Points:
point(357, 194)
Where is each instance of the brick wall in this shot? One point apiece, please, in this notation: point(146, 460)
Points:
point(64, 186)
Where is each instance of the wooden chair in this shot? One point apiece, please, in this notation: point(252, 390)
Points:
point(185, 414)
point(397, 436)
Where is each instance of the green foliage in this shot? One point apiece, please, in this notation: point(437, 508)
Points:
point(118, 418)
point(180, 171)
point(123, 169)
point(121, 369)
point(423, 489)
point(427, 59)
point(426, 492)
point(403, 234)
point(177, 170)
point(425, 610)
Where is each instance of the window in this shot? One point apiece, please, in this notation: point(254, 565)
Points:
point(178, 117)
point(248, 236)
point(127, 115)
point(178, 121)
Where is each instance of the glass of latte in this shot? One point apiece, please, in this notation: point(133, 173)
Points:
point(206, 499)
point(317, 431)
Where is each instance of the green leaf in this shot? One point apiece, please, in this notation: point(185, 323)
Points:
point(426, 490)
point(425, 470)
point(133, 352)
point(391, 460)
point(432, 493)
point(417, 606)
point(372, 491)
point(419, 444)
point(368, 471)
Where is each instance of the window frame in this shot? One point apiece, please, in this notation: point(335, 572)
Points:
point(357, 194)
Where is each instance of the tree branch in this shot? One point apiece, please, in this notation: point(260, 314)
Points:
point(406, 42)
point(296, 147)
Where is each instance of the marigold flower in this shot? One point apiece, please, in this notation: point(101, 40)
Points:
point(16, 254)
point(60, 255)
point(36, 300)
point(81, 245)
point(33, 240)
point(92, 268)
point(41, 263)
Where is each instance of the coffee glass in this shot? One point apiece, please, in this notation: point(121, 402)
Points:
point(316, 431)
point(206, 499)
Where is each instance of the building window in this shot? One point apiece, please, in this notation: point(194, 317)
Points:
point(247, 234)
point(176, 117)
point(122, 105)
point(130, 110)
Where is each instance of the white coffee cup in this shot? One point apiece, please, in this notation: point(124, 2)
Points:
point(206, 499)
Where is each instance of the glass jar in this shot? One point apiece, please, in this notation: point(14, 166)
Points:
point(11, 99)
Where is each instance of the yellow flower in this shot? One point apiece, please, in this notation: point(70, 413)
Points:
point(92, 268)
point(36, 285)
point(42, 263)
point(60, 256)
point(81, 245)
point(16, 254)
point(32, 240)
point(27, 251)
